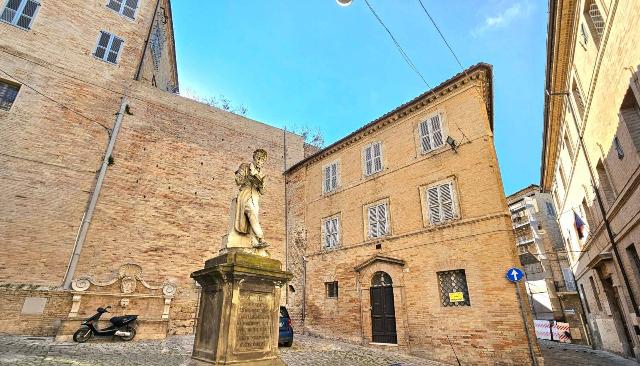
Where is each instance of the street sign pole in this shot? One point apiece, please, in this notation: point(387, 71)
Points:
point(515, 275)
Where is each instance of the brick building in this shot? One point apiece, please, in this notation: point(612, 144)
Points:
point(115, 189)
point(401, 234)
point(549, 280)
point(591, 147)
point(74, 77)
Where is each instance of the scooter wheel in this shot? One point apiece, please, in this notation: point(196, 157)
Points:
point(132, 332)
point(82, 335)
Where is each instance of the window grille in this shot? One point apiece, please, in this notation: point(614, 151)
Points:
point(596, 18)
point(108, 48)
point(440, 202)
point(126, 8)
point(8, 94)
point(332, 289)
point(431, 136)
point(453, 288)
point(378, 217)
point(579, 101)
point(20, 12)
point(373, 158)
point(330, 177)
point(618, 147)
point(331, 232)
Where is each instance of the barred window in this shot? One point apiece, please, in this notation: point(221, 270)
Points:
point(596, 18)
point(20, 12)
point(8, 94)
point(453, 288)
point(378, 220)
point(441, 203)
point(431, 136)
point(372, 155)
point(126, 8)
point(108, 48)
point(331, 232)
point(157, 41)
point(332, 289)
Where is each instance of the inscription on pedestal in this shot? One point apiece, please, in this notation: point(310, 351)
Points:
point(254, 322)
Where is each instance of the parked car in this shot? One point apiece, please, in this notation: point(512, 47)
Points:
point(286, 330)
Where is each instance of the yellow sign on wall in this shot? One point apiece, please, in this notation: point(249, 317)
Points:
point(456, 296)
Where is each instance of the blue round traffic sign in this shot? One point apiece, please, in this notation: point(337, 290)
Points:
point(514, 274)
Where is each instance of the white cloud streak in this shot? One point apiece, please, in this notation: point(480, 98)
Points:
point(515, 11)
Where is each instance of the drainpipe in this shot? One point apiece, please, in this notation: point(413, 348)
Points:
point(286, 213)
point(88, 214)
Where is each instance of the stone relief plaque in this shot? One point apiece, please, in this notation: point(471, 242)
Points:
point(254, 327)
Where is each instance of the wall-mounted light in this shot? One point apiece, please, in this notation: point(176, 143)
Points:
point(344, 2)
point(452, 143)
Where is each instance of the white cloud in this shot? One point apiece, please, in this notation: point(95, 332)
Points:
point(515, 11)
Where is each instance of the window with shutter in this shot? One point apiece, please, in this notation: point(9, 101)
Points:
point(331, 232)
point(8, 94)
point(378, 220)
point(20, 12)
point(331, 289)
point(569, 283)
point(330, 179)
point(440, 202)
point(431, 135)
point(108, 48)
point(126, 8)
point(372, 156)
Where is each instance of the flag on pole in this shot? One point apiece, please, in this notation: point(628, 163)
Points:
point(579, 224)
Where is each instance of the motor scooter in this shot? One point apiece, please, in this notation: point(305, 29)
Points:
point(121, 326)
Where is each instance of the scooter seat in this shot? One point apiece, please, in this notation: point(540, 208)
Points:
point(116, 320)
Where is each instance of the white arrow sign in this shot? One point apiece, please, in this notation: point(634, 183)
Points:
point(514, 274)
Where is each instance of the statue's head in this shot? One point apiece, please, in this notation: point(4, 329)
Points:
point(259, 157)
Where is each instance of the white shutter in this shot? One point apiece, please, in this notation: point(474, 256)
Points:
point(10, 10)
point(334, 232)
point(103, 43)
point(377, 157)
point(433, 202)
point(446, 201)
point(115, 5)
point(116, 44)
point(334, 176)
point(129, 8)
point(327, 179)
point(425, 139)
point(373, 227)
point(327, 233)
point(436, 131)
point(382, 220)
point(368, 163)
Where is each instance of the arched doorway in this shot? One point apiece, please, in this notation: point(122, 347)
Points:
point(383, 313)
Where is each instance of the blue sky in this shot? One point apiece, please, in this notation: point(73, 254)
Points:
point(313, 63)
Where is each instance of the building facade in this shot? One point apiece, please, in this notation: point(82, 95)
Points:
point(83, 225)
point(549, 280)
point(401, 236)
point(590, 159)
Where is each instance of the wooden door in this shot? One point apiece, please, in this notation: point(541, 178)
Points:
point(383, 315)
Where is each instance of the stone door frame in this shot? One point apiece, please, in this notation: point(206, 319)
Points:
point(394, 267)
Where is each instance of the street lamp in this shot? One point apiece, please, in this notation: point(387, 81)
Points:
point(344, 2)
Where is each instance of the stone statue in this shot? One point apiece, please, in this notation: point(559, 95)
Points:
point(245, 230)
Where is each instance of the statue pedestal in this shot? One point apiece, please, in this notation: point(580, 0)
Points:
point(239, 310)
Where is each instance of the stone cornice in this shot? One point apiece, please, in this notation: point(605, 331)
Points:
point(480, 72)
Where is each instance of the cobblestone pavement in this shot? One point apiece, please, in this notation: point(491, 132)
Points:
point(560, 354)
point(175, 351)
point(306, 351)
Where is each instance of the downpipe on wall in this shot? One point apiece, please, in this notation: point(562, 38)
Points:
point(88, 214)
